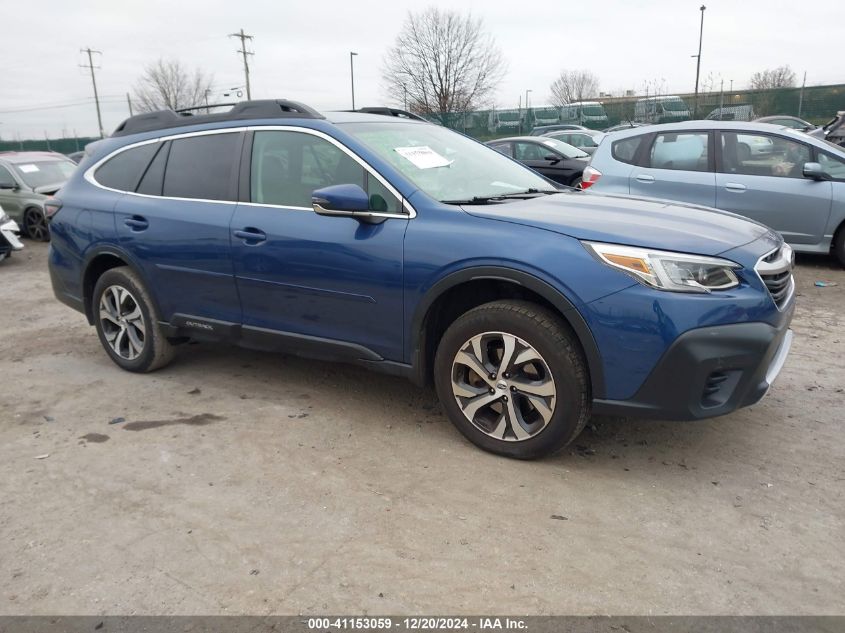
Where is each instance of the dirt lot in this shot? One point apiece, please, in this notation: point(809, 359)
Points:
point(241, 482)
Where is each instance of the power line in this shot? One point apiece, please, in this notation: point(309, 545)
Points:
point(90, 66)
point(58, 106)
point(244, 37)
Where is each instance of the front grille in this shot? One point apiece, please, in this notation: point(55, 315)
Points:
point(775, 270)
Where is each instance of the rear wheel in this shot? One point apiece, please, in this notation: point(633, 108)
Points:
point(35, 225)
point(511, 378)
point(127, 322)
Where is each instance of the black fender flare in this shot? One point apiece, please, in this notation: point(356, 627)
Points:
point(565, 307)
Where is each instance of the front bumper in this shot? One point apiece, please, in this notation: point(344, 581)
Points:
point(9, 241)
point(709, 372)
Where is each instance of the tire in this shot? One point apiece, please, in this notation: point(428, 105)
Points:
point(552, 374)
point(127, 322)
point(35, 225)
point(838, 246)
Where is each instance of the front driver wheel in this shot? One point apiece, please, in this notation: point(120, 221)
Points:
point(512, 379)
point(35, 225)
point(127, 323)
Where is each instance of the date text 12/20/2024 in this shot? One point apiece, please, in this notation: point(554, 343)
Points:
point(416, 624)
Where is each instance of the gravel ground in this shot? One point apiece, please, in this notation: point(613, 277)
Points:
point(240, 482)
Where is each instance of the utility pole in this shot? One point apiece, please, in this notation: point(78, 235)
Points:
point(721, 98)
point(90, 66)
point(129, 103)
point(405, 91)
point(801, 94)
point(352, 75)
point(243, 51)
point(698, 64)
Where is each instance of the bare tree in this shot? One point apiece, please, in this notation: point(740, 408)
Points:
point(442, 62)
point(572, 86)
point(781, 77)
point(168, 84)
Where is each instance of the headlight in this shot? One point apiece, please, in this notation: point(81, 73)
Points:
point(665, 270)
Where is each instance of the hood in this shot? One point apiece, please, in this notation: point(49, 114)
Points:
point(48, 190)
point(629, 220)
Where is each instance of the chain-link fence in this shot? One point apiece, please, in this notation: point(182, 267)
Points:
point(816, 104)
point(61, 145)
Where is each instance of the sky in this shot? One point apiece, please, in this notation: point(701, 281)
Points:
point(302, 49)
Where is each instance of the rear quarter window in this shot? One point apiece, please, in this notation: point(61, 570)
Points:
point(625, 150)
point(124, 170)
point(201, 167)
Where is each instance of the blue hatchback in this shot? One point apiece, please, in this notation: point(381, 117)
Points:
point(410, 249)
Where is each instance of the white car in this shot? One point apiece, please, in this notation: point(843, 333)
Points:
point(9, 233)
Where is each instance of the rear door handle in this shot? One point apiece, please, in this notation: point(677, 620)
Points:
point(251, 235)
point(644, 178)
point(137, 223)
point(734, 186)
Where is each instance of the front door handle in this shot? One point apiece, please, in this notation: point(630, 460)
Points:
point(644, 178)
point(251, 235)
point(734, 186)
point(137, 223)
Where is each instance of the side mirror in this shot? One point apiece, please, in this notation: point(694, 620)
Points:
point(9, 185)
point(344, 201)
point(815, 172)
point(551, 158)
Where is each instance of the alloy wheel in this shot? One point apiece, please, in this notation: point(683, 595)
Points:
point(122, 322)
point(36, 225)
point(503, 386)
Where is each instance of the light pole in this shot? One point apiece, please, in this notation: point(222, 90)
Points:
point(352, 76)
point(527, 92)
point(698, 63)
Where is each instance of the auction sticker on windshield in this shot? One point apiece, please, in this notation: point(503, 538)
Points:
point(423, 157)
point(28, 169)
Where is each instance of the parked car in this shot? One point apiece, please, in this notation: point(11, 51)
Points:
point(784, 120)
point(554, 159)
point(785, 179)
point(586, 140)
point(407, 248)
point(833, 131)
point(27, 180)
point(539, 130)
point(76, 157)
point(8, 236)
point(742, 112)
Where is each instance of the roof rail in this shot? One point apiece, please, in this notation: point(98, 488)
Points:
point(258, 109)
point(402, 114)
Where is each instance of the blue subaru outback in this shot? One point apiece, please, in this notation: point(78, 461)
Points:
point(410, 249)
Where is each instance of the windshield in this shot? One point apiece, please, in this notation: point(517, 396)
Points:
point(674, 105)
point(45, 172)
point(508, 116)
point(445, 164)
point(592, 110)
point(569, 151)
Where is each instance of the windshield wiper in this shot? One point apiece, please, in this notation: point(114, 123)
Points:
point(519, 195)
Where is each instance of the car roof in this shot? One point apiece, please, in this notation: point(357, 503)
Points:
point(535, 139)
point(16, 158)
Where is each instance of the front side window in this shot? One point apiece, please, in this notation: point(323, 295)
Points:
point(42, 173)
point(528, 151)
point(763, 155)
point(832, 166)
point(202, 167)
point(686, 151)
point(287, 167)
point(124, 170)
point(444, 164)
point(6, 179)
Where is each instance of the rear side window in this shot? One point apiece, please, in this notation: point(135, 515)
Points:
point(124, 170)
point(201, 167)
point(625, 150)
point(686, 151)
